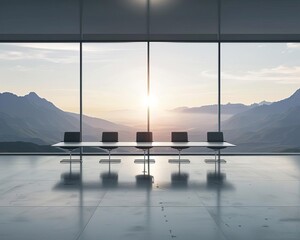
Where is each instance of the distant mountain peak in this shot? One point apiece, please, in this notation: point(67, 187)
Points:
point(8, 94)
point(33, 97)
point(32, 94)
point(264, 102)
point(296, 93)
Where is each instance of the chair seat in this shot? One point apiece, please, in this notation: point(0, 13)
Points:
point(71, 137)
point(179, 148)
point(109, 148)
point(216, 148)
point(143, 148)
point(144, 137)
point(69, 148)
point(110, 137)
point(179, 137)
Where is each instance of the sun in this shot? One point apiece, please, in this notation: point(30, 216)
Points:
point(150, 101)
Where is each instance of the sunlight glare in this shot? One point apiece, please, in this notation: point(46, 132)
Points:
point(150, 101)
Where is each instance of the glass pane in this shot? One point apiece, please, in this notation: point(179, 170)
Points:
point(114, 89)
point(261, 96)
point(184, 89)
point(39, 97)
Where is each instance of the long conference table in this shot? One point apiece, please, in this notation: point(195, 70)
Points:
point(144, 144)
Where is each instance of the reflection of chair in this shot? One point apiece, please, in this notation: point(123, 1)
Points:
point(179, 180)
point(109, 179)
point(179, 137)
point(215, 137)
point(71, 137)
point(144, 137)
point(144, 181)
point(110, 137)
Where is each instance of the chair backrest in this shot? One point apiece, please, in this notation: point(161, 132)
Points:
point(110, 137)
point(144, 137)
point(72, 137)
point(179, 137)
point(215, 137)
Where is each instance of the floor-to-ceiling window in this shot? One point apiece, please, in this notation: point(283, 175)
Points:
point(261, 96)
point(184, 89)
point(114, 89)
point(39, 95)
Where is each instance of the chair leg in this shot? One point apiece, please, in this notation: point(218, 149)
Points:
point(109, 161)
point(144, 161)
point(70, 158)
point(179, 160)
point(179, 151)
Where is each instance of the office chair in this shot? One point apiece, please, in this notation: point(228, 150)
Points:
point(110, 137)
point(215, 137)
point(145, 137)
point(71, 137)
point(179, 137)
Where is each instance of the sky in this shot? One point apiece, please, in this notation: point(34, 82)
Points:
point(181, 74)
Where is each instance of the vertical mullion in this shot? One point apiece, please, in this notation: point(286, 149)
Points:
point(80, 71)
point(80, 86)
point(148, 66)
point(148, 77)
point(219, 86)
point(148, 86)
point(219, 65)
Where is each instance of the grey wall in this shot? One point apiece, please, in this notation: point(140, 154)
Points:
point(169, 20)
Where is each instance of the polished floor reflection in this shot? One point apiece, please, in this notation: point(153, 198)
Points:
point(249, 197)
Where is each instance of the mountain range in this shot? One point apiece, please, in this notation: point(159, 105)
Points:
point(31, 123)
point(32, 119)
point(273, 127)
point(229, 108)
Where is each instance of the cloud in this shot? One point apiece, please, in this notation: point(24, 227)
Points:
point(41, 53)
point(87, 47)
point(65, 53)
point(280, 74)
point(49, 46)
point(20, 68)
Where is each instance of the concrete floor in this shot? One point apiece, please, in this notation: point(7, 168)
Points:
point(253, 197)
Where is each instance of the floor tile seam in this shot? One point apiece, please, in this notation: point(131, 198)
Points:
point(237, 178)
point(88, 221)
point(199, 197)
point(156, 206)
point(102, 198)
point(47, 206)
point(219, 227)
point(131, 206)
point(253, 206)
point(271, 180)
point(31, 180)
point(83, 229)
